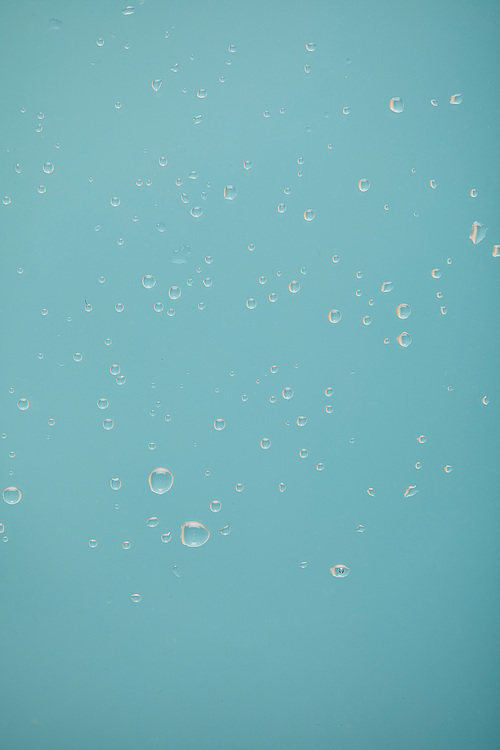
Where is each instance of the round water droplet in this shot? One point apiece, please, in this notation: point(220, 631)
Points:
point(329, 391)
point(436, 273)
point(148, 282)
point(163, 161)
point(215, 506)
point(301, 421)
point(294, 287)
point(136, 598)
point(265, 443)
point(115, 369)
point(219, 424)
point(334, 316)
point(239, 487)
point(226, 530)
point(115, 483)
point(364, 185)
point(247, 165)
point(23, 404)
point(309, 214)
point(108, 424)
point(48, 167)
point(273, 297)
point(448, 469)
point(251, 303)
point(320, 466)
point(456, 99)
point(152, 522)
point(12, 495)
point(166, 537)
point(339, 571)
point(396, 104)
point(473, 193)
point(403, 311)
point(119, 307)
point(160, 480)
point(404, 339)
point(485, 400)
point(194, 534)
point(421, 439)
point(281, 208)
point(115, 201)
point(78, 356)
point(126, 545)
point(329, 408)
point(287, 392)
point(367, 321)
point(303, 453)
point(93, 543)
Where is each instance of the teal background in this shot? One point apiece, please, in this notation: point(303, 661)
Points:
point(246, 649)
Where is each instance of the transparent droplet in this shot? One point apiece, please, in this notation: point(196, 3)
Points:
point(78, 356)
point(301, 421)
point(115, 201)
point(166, 537)
point(51, 422)
point(371, 491)
point(12, 495)
point(339, 571)
point(403, 311)
point(404, 339)
point(485, 400)
point(329, 391)
point(303, 453)
point(163, 161)
point(225, 530)
point(247, 165)
point(148, 282)
point(219, 424)
point(229, 192)
point(367, 321)
point(329, 408)
point(396, 104)
point(281, 208)
point(473, 193)
point(196, 212)
point(152, 522)
point(194, 534)
point(160, 480)
point(364, 185)
point(478, 232)
point(411, 490)
point(287, 392)
point(251, 303)
point(115, 483)
point(126, 545)
point(448, 469)
point(158, 307)
point(334, 316)
point(311, 46)
point(23, 404)
point(136, 598)
point(215, 506)
point(496, 251)
point(456, 99)
point(294, 287)
point(320, 466)
point(152, 446)
point(108, 424)
point(387, 286)
point(48, 167)
point(273, 297)
point(239, 487)
point(309, 214)
point(93, 543)
point(265, 443)
point(346, 110)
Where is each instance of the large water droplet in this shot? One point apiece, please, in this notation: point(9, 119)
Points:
point(396, 104)
point(339, 571)
point(160, 480)
point(12, 495)
point(194, 534)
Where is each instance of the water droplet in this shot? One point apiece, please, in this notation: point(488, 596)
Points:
point(309, 214)
point(396, 104)
point(403, 311)
point(229, 192)
point(364, 185)
point(194, 534)
point(404, 339)
point(239, 487)
point(196, 212)
point(387, 286)
point(367, 321)
point(329, 409)
point(219, 424)
point(265, 443)
point(215, 506)
point(478, 232)
point(160, 480)
point(273, 297)
point(136, 598)
point(12, 495)
point(148, 282)
point(371, 491)
point(485, 400)
point(456, 99)
point(108, 424)
point(339, 571)
point(496, 251)
point(225, 530)
point(119, 307)
point(411, 490)
point(448, 469)
point(334, 316)
point(152, 522)
point(166, 537)
point(78, 356)
point(320, 466)
point(51, 421)
point(281, 208)
point(301, 421)
point(115, 201)
point(163, 161)
point(287, 393)
point(303, 453)
point(251, 303)
point(247, 165)
point(23, 404)
point(294, 287)
point(473, 193)
point(115, 483)
point(48, 167)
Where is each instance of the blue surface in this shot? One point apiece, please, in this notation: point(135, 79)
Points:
point(239, 647)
